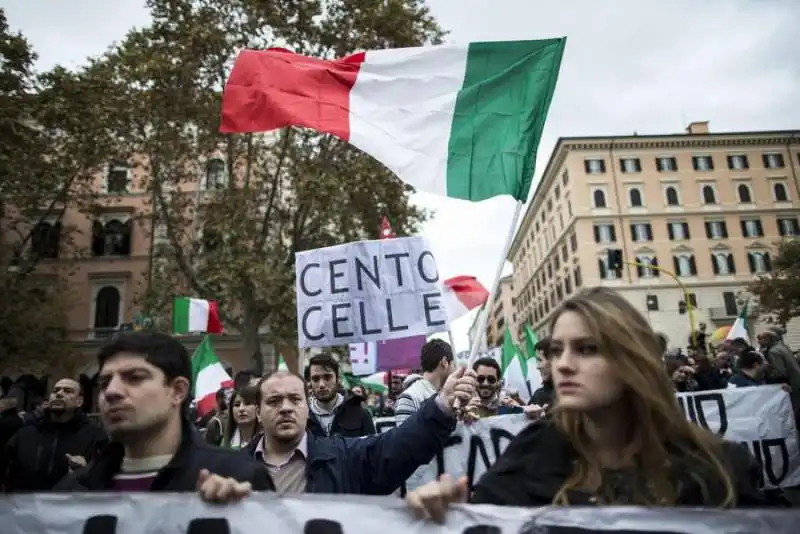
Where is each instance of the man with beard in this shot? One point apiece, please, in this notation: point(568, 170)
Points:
point(331, 412)
point(299, 461)
point(62, 439)
point(145, 380)
point(487, 376)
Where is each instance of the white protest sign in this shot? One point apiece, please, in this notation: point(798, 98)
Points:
point(363, 358)
point(368, 291)
point(760, 418)
point(176, 513)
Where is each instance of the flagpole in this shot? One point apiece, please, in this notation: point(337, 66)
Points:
point(452, 341)
point(486, 310)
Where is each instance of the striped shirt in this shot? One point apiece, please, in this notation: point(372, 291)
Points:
point(409, 401)
point(138, 474)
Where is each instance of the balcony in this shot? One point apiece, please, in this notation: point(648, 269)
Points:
point(724, 314)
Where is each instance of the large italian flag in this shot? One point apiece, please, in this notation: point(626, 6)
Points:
point(195, 315)
point(462, 121)
point(463, 294)
point(208, 376)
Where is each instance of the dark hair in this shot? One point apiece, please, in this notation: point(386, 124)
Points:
point(433, 352)
point(159, 350)
point(487, 362)
point(741, 342)
point(542, 345)
point(279, 372)
point(249, 395)
point(324, 360)
point(243, 377)
point(77, 381)
point(749, 359)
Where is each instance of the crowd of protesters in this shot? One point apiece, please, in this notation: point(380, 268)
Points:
point(605, 422)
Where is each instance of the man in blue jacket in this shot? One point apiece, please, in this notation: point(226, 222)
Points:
point(299, 461)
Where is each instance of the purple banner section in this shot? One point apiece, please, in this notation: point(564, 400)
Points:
point(402, 353)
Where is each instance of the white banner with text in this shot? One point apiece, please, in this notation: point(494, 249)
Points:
point(174, 513)
point(368, 291)
point(760, 418)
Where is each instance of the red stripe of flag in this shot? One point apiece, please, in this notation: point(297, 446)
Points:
point(469, 291)
point(214, 323)
point(274, 88)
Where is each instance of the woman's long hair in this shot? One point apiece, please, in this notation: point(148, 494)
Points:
point(659, 427)
point(248, 395)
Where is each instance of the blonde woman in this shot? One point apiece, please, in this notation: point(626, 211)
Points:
point(242, 420)
point(615, 435)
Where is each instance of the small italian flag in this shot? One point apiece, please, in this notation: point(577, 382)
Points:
point(377, 382)
point(459, 120)
point(282, 364)
point(195, 315)
point(739, 328)
point(463, 294)
point(515, 367)
point(208, 377)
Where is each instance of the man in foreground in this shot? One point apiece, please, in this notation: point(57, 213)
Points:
point(300, 461)
point(145, 385)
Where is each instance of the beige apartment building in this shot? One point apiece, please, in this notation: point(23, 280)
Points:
point(707, 207)
point(501, 314)
point(112, 267)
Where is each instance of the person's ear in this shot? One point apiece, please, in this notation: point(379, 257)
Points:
point(180, 390)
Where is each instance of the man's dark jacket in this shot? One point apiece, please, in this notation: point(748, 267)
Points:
point(35, 458)
point(377, 464)
point(350, 420)
point(180, 474)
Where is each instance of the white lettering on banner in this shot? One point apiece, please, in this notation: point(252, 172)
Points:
point(157, 513)
point(760, 418)
point(368, 291)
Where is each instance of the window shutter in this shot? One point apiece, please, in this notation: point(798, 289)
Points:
point(765, 160)
point(676, 265)
point(670, 232)
point(596, 234)
point(638, 165)
point(633, 232)
point(639, 269)
point(586, 166)
point(602, 268)
point(724, 227)
point(767, 261)
point(781, 229)
point(602, 163)
point(759, 228)
point(731, 264)
point(613, 231)
point(654, 263)
point(730, 162)
point(751, 262)
point(686, 233)
point(714, 266)
point(710, 163)
point(649, 231)
point(708, 228)
point(695, 163)
point(745, 162)
point(743, 224)
point(692, 265)
point(795, 226)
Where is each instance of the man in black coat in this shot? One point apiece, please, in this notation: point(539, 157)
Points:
point(145, 380)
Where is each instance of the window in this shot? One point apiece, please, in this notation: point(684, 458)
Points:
point(567, 285)
point(594, 166)
point(605, 233)
point(576, 275)
point(773, 161)
point(641, 232)
point(752, 228)
point(652, 302)
point(716, 230)
point(565, 178)
point(702, 163)
point(599, 198)
point(788, 226)
point(644, 264)
point(215, 174)
point(671, 194)
point(605, 272)
point(564, 253)
point(573, 242)
point(557, 192)
point(779, 192)
point(666, 164)
point(684, 265)
point(759, 262)
point(744, 194)
point(117, 178)
point(45, 239)
point(112, 237)
point(722, 263)
point(629, 165)
point(708, 193)
point(738, 162)
point(693, 300)
point(678, 231)
point(635, 197)
point(106, 309)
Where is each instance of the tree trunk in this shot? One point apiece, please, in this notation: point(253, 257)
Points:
point(251, 343)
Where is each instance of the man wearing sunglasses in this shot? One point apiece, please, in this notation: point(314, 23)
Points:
point(487, 402)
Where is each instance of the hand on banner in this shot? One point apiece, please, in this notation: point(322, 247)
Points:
point(459, 385)
point(432, 500)
point(534, 412)
point(217, 489)
point(75, 461)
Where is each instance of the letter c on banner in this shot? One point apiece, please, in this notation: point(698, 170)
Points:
point(421, 267)
point(322, 526)
point(209, 525)
point(100, 524)
point(304, 324)
point(303, 286)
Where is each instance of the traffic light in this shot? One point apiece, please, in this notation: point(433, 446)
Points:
point(615, 259)
point(681, 307)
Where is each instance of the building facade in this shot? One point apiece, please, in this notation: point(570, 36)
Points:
point(501, 314)
point(707, 208)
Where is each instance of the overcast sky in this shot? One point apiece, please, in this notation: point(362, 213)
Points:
point(649, 66)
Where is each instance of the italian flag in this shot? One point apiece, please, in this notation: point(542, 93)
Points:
point(459, 120)
point(739, 328)
point(195, 315)
point(208, 377)
point(463, 294)
point(282, 364)
point(515, 367)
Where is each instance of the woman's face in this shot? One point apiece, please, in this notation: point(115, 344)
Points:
point(583, 377)
point(243, 414)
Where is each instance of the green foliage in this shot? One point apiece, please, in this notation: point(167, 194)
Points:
point(778, 292)
point(282, 192)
